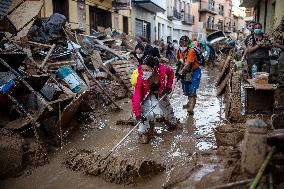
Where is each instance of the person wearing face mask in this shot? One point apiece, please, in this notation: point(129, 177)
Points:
point(250, 26)
point(258, 46)
point(184, 42)
point(139, 52)
point(154, 80)
point(190, 74)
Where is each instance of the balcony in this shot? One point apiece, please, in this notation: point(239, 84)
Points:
point(228, 29)
point(211, 27)
point(206, 7)
point(248, 3)
point(121, 4)
point(153, 6)
point(188, 19)
point(174, 14)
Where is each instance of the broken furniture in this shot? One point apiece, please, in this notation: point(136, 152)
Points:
point(259, 98)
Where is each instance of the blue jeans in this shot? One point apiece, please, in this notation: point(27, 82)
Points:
point(189, 87)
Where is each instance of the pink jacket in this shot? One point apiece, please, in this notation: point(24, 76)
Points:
point(142, 89)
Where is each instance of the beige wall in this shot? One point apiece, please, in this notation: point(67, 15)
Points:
point(195, 13)
point(279, 11)
point(47, 10)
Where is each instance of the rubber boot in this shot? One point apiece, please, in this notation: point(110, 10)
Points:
point(151, 132)
point(185, 106)
point(144, 138)
point(172, 123)
point(191, 105)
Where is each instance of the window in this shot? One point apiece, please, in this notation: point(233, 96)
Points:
point(221, 10)
point(211, 5)
point(125, 24)
point(62, 7)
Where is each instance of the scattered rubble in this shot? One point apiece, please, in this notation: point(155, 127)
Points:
point(47, 70)
point(113, 169)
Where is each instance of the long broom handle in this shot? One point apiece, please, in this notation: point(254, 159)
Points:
point(153, 107)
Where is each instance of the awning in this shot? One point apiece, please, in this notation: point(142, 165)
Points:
point(149, 5)
point(249, 3)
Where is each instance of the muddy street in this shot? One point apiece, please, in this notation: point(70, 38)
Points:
point(169, 148)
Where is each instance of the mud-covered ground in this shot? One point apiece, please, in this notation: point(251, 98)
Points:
point(176, 150)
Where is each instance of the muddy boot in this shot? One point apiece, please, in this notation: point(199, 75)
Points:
point(151, 132)
point(185, 106)
point(191, 104)
point(144, 138)
point(172, 123)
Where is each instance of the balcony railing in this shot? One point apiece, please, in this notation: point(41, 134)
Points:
point(211, 26)
point(228, 29)
point(176, 14)
point(188, 19)
point(207, 7)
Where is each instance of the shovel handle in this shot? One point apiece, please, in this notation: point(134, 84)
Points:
point(118, 144)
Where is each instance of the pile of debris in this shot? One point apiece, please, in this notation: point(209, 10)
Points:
point(47, 70)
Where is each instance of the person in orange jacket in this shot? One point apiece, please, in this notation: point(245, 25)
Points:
point(189, 73)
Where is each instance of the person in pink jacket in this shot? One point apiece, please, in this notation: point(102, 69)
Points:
point(154, 80)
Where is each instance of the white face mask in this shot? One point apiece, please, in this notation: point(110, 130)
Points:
point(139, 55)
point(146, 75)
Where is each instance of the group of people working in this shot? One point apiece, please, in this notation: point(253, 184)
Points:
point(259, 47)
point(152, 82)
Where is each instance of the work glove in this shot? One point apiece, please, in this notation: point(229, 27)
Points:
point(167, 91)
point(141, 118)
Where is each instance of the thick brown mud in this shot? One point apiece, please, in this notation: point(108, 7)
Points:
point(178, 151)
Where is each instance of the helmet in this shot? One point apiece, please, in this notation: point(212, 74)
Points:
point(184, 39)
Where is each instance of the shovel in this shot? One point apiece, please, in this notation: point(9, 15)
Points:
point(118, 144)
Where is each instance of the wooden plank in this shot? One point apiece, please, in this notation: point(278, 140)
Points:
point(125, 77)
point(221, 88)
point(86, 79)
point(124, 69)
point(59, 64)
point(120, 66)
point(18, 123)
point(119, 62)
point(21, 16)
point(69, 111)
point(109, 50)
point(225, 71)
point(47, 56)
point(257, 86)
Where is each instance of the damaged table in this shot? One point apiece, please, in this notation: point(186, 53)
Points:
point(259, 97)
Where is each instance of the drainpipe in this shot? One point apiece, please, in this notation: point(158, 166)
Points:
point(265, 15)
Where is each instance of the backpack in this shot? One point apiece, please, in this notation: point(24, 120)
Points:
point(200, 57)
point(133, 79)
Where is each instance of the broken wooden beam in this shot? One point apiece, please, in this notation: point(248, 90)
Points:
point(90, 74)
point(47, 56)
point(109, 50)
point(40, 97)
point(59, 64)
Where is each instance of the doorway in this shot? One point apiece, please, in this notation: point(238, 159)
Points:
point(125, 24)
point(62, 7)
point(99, 17)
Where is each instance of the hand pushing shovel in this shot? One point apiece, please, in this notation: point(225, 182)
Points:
point(118, 144)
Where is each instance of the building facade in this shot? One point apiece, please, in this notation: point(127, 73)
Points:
point(90, 14)
point(267, 12)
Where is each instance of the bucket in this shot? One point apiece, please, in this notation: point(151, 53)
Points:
point(74, 82)
point(229, 134)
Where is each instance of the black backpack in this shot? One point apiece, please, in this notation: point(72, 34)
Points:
point(200, 57)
